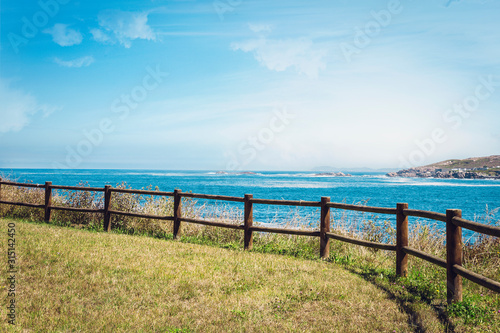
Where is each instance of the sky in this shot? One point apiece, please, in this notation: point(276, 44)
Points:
point(237, 85)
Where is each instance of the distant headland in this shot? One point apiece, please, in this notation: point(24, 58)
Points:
point(469, 168)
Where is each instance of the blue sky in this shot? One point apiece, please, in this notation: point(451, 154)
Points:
point(247, 85)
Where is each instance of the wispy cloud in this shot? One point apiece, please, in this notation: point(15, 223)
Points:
point(100, 36)
point(18, 107)
point(78, 62)
point(63, 35)
point(281, 54)
point(260, 27)
point(124, 27)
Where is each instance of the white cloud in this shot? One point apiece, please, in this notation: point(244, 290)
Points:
point(100, 36)
point(79, 62)
point(63, 35)
point(17, 108)
point(123, 27)
point(278, 55)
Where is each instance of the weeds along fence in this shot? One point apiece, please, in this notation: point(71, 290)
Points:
point(453, 220)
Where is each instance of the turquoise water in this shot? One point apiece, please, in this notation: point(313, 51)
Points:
point(472, 196)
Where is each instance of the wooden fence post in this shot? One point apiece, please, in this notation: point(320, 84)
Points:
point(401, 240)
point(48, 201)
point(248, 222)
point(453, 256)
point(177, 211)
point(324, 243)
point(107, 202)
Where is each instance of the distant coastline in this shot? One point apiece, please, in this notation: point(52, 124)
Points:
point(470, 168)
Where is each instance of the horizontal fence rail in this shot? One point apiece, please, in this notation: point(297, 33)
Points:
point(213, 223)
point(23, 184)
point(479, 279)
point(477, 227)
point(145, 192)
point(287, 202)
point(212, 197)
point(425, 214)
point(368, 209)
point(77, 188)
point(428, 257)
point(374, 245)
point(286, 231)
point(147, 216)
point(452, 218)
point(21, 204)
point(80, 210)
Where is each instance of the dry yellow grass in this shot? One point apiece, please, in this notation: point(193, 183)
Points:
point(80, 281)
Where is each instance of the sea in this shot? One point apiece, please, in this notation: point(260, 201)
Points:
point(479, 200)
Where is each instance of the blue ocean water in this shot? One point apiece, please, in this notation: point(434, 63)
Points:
point(375, 189)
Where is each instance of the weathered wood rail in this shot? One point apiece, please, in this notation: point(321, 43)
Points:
point(452, 218)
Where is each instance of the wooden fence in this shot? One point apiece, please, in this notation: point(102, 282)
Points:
point(452, 218)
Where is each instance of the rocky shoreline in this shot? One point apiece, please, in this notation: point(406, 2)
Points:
point(433, 173)
point(333, 174)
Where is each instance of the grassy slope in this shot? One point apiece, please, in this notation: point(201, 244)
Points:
point(473, 162)
point(75, 280)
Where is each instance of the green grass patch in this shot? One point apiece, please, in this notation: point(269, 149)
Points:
point(78, 280)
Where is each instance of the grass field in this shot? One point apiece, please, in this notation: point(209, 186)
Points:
point(81, 281)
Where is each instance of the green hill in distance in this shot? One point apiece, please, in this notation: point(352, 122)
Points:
point(490, 162)
point(469, 168)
